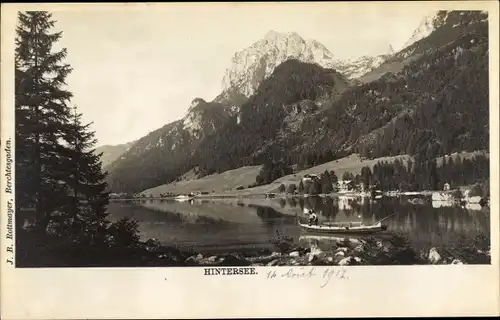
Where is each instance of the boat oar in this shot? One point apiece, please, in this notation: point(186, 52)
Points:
point(383, 219)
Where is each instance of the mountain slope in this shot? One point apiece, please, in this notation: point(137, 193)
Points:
point(294, 90)
point(165, 153)
point(112, 152)
point(437, 104)
point(434, 31)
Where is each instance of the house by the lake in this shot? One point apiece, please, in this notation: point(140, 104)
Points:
point(309, 177)
point(442, 196)
point(345, 185)
point(446, 186)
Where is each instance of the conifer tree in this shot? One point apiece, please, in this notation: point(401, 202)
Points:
point(333, 177)
point(366, 176)
point(314, 187)
point(41, 115)
point(326, 183)
point(301, 188)
point(87, 184)
point(433, 175)
point(347, 176)
point(59, 174)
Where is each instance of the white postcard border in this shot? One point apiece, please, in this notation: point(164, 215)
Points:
point(187, 293)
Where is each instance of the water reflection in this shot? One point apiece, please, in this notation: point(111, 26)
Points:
point(473, 207)
point(441, 204)
point(424, 223)
point(226, 224)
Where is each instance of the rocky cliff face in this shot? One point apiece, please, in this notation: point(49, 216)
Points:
point(255, 63)
point(249, 67)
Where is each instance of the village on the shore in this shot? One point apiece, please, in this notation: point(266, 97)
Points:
point(449, 195)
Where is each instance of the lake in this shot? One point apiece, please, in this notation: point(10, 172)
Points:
point(224, 225)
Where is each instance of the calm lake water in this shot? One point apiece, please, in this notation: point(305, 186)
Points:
point(240, 224)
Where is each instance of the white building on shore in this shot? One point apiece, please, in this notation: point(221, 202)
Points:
point(309, 177)
point(345, 185)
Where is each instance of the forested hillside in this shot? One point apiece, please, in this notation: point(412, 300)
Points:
point(447, 26)
point(437, 105)
point(262, 117)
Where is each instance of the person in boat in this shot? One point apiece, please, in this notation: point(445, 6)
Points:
point(313, 218)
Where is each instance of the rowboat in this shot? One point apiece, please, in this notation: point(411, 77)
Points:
point(346, 227)
point(349, 227)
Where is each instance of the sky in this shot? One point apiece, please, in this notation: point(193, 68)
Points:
point(137, 68)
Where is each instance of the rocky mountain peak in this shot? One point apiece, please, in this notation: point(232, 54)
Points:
point(428, 24)
point(255, 63)
point(271, 34)
point(195, 103)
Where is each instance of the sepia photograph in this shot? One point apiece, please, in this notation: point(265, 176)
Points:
point(177, 136)
point(303, 157)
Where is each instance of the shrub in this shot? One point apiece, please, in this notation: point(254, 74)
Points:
point(471, 250)
point(125, 232)
point(283, 243)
